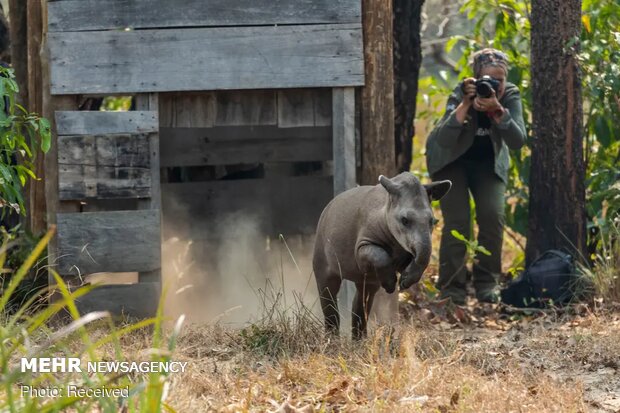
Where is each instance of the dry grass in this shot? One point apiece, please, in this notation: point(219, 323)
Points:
point(542, 364)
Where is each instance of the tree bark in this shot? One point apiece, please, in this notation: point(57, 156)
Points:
point(407, 61)
point(377, 105)
point(19, 46)
point(557, 216)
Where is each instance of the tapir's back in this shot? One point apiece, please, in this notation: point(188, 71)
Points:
point(339, 226)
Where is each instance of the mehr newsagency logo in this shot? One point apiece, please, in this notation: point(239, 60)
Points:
point(75, 365)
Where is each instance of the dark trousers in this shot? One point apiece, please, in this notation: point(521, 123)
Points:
point(487, 190)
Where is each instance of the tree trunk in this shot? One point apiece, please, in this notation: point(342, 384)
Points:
point(557, 216)
point(407, 61)
point(19, 46)
point(377, 105)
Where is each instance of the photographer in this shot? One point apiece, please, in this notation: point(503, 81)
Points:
point(469, 146)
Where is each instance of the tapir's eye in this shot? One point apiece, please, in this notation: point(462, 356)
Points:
point(404, 221)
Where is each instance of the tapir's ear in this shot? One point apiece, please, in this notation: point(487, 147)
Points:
point(390, 186)
point(438, 189)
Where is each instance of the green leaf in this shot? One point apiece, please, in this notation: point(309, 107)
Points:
point(602, 131)
point(452, 42)
point(46, 135)
point(458, 236)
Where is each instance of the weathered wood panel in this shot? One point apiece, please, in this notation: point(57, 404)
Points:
point(248, 107)
point(112, 166)
point(135, 300)
point(189, 110)
point(344, 139)
point(285, 205)
point(323, 107)
point(76, 15)
point(263, 57)
point(234, 145)
point(116, 241)
point(150, 101)
point(103, 123)
point(304, 107)
point(295, 108)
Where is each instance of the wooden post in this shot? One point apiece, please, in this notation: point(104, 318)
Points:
point(343, 126)
point(36, 189)
point(377, 113)
point(343, 133)
point(150, 101)
point(49, 105)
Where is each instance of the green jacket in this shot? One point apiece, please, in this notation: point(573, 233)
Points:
point(449, 140)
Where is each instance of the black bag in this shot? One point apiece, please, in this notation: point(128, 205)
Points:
point(549, 280)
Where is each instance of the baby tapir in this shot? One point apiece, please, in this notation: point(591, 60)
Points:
point(368, 234)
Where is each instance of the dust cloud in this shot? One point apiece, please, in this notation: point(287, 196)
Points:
point(236, 273)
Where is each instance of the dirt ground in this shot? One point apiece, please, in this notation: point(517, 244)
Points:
point(472, 359)
point(439, 358)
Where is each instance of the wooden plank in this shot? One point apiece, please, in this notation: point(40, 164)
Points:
point(113, 166)
point(248, 107)
point(151, 102)
point(116, 241)
point(344, 139)
point(103, 123)
point(283, 205)
point(295, 108)
point(189, 110)
point(323, 107)
point(134, 300)
point(76, 15)
point(234, 145)
point(50, 105)
point(377, 106)
point(304, 107)
point(264, 57)
point(343, 124)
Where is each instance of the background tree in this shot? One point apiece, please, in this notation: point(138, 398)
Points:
point(557, 215)
point(407, 61)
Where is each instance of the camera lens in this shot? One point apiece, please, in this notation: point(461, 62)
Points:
point(484, 89)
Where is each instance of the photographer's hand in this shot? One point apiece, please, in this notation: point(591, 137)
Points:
point(491, 106)
point(469, 93)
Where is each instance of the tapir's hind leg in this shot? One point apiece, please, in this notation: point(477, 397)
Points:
point(328, 293)
point(362, 304)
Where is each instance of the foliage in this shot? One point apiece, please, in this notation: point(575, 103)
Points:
point(472, 246)
point(116, 103)
point(600, 63)
point(28, 334)
point(505, 25)
point(22, 134)
point(18, 245)
point(604, 273)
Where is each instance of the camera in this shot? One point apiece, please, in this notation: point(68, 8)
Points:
point(485, 86)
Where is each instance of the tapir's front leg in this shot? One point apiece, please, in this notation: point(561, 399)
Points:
point(411, 275)
point(372, 259)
